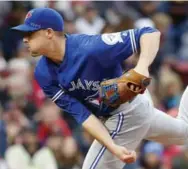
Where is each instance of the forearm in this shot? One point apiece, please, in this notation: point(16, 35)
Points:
point(100, 133)
point(149, 46)
point(93, 126)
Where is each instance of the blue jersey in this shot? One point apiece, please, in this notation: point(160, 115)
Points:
point(89, 59)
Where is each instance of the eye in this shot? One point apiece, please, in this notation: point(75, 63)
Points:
point(28, 34)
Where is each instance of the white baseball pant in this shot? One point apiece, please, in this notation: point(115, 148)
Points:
point(135, 121)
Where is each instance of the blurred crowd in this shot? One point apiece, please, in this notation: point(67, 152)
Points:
point(35, 133)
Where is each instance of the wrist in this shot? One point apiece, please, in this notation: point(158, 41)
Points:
point(111, 147)
point(142, 70)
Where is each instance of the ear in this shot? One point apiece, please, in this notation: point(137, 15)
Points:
point(50, 33)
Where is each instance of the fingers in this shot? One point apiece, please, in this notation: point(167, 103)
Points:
point(130, 157)
point(124, 155)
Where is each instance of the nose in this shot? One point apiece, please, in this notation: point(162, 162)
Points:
point(25, 40)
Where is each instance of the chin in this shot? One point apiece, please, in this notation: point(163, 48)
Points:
point(35, 54)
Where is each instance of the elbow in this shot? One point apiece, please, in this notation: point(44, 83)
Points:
point(151, 39)
point(157, 35)
point(154, 38)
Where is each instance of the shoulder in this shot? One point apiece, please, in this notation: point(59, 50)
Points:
point(84, 41)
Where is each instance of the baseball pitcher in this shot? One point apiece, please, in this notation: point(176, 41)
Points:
point(82, 74)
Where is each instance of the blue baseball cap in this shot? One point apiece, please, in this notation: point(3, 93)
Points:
point(41, 18)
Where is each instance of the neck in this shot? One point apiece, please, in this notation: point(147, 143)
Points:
point(56, 50)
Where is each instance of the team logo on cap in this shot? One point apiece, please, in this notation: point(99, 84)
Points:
point(29, 14)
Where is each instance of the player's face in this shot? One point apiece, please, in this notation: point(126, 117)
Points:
point(36, 42)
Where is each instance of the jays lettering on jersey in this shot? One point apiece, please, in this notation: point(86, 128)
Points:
point(89, 59)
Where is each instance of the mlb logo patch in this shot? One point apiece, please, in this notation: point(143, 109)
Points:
point(29, 14)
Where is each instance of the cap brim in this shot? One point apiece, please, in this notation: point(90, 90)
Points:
point(24, 28)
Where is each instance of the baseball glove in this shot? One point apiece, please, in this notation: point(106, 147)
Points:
point(116, 91)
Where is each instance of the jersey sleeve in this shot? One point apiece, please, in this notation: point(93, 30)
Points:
point(113, 48)
point(67, 103)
